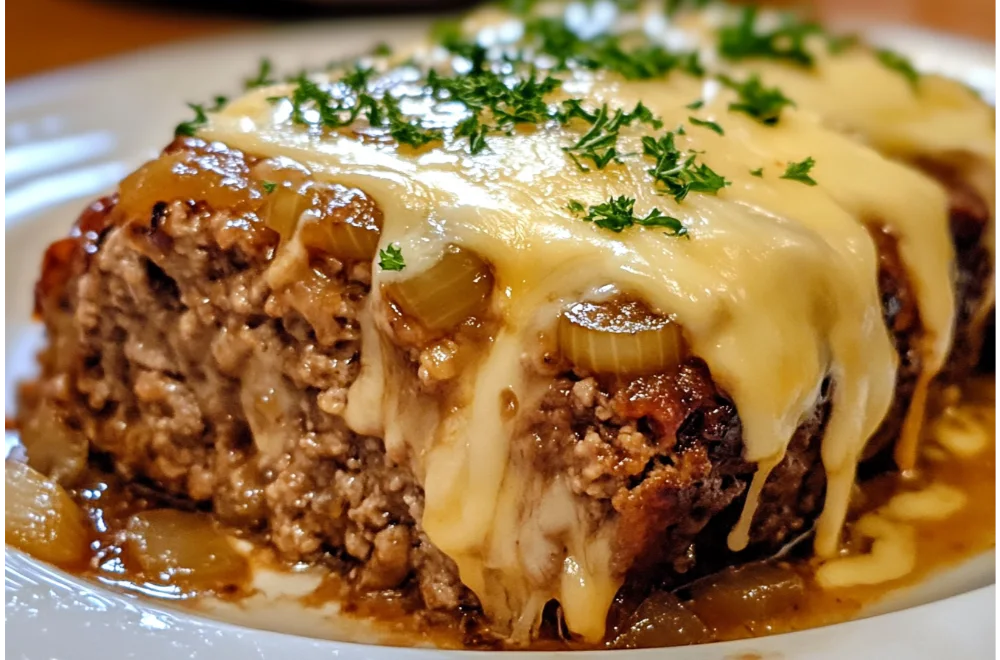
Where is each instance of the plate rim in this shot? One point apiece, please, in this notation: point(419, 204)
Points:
point(22, 620)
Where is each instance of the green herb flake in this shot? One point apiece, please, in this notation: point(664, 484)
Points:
point(900, 65)
point(647, 61)
point(671, 7)
point(759, 172)
point(677, 172)
point(695, 105)
point(800, 172)
point(599, 144)
point(519, 7)
point(787, 42)
point(391, 258)
point(841, 43)
point(617, 215)
point(263, 77)
point(382, 50)
point(762, 103)
point(190, 127)
point(268, 186)
point(710, 125)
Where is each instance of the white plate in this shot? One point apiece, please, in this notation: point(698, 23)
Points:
point(72, 135)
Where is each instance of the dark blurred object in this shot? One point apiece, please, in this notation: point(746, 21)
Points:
point(991, 348)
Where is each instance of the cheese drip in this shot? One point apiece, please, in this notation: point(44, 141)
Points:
point(776, 291)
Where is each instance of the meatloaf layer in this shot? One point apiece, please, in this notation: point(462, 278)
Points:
point(176, 353)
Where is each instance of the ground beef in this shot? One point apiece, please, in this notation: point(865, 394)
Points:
point(162, 320)
point(179, 354)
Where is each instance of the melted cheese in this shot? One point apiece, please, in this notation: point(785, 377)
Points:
point(776, 289)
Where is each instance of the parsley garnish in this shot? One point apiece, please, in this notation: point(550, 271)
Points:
point(741, 40)
point(382, 50)
point(552, 37)
point(476, 131)
point(759, 172)
point(677, 172)
point(190, 127)
point(337, 111)
point(711, 125)
point(695, 105)
point(800, 172)
point(263, 77)
point(838, 43)
point(391, 258)
point(599, 144)
point(671, 7)
point(899, 64)
point(762, 103)
point(617, 214)
point(407, 131)
point(519, 7)
point(268, 186)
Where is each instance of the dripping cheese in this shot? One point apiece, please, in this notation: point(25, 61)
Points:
point(775, 285)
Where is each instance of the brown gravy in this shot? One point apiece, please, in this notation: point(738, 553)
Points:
point(761, 598)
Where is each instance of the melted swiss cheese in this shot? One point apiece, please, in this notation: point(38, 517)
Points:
point(776, 288)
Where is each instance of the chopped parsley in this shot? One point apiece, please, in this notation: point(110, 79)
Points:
point(190, 127)
point(519, 7)
point(552, 37)
point(599, 144)
point(475, 130)
point(711, 125)
point(263, 77)
point(762, 103)
point(351, 101)
point(839, 43)
point(695, 105)
point(671, 7)
point(900, 65)
point(787, 42)
point(800, 172)
point(677, 172)
point(382, 50)
point(268, 186)
point(759, 172)
point(391, 258)
point(617, 215)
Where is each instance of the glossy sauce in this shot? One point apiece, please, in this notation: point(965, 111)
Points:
point(760, 598)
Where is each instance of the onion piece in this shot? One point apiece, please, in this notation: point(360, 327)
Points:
point(748, 596)
point(41, 519)
point(282, 210)
point(620, 337)
point(335, 220)
point(183, 548)
point(454, 289)
point(196, 171)
point(661, 620)
point(53, 448)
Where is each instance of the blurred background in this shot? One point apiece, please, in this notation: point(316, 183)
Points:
point(47, 34)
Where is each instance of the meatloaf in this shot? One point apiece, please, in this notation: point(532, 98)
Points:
point(210, 352)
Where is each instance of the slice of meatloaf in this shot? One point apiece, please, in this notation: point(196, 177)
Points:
point(175, 353)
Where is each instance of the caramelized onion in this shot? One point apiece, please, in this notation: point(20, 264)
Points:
point(750, 596)
point(621, 337)
point(182, 547)
point(196, 171)
point(52, 447)
point(338, 221)
point(282, 210)
point(454, 289)
point(40, 518)
point(661, 620)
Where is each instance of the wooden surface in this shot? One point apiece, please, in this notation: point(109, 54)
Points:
point(47, 34)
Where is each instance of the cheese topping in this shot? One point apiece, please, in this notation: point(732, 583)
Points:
point(776, 287)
